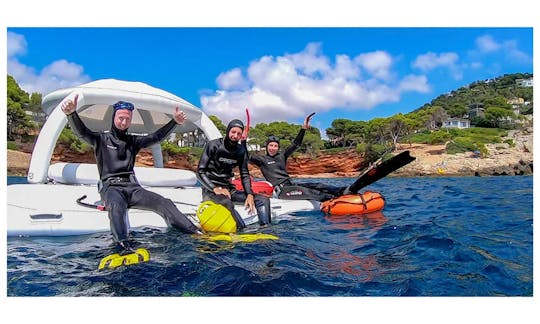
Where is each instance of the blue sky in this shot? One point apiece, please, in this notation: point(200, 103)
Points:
point(278, 73)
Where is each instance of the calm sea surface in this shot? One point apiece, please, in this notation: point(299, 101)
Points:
point(470, 236)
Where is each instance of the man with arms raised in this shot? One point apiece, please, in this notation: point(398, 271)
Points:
point(115, 153)
point(273, 166)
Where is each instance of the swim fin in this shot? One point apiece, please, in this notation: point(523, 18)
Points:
point(231, 237)
point(115, 260)
point(380, 169)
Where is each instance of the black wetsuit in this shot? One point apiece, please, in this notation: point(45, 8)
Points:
point(115, 153)
point(219, 158)
point(274, 171)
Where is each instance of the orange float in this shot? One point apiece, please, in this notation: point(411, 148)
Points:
point(354, 204)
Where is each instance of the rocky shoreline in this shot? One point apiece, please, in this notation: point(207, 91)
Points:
point(502, 159)
point(431, 160)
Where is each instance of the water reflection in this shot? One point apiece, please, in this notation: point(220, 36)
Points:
point(352, 258)
point(372, 221)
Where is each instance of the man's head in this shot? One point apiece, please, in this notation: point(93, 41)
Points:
point(235, 130)
point(272, 145)
point(122, 114)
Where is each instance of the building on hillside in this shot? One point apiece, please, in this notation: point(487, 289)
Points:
point(476, 110)
point(525, 83)
point(38, 117)
point(253, 147)
point(456, 123)
point(517, 104)
point(190, 139)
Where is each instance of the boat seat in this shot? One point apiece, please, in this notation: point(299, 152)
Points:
point(87, 174)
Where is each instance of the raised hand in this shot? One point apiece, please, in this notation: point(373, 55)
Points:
point(307, 120)
point(70, 106)
point(179, 116)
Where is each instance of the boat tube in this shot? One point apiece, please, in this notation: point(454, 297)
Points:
point(262, 187)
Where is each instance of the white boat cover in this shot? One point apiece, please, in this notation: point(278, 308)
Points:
point(153, 108)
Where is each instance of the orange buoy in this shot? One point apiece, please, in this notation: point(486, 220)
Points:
point(354, 204)
point(260, 187)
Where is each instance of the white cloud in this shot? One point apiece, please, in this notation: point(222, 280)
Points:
point(292, 85)
point(377, 63)
point(514, 54)
point(418, 83)
point(59, 74)
point(16, 45)
point(232, 79)
point(487, 44)
point(430, 61)
point(310, 61)
point(509, 48)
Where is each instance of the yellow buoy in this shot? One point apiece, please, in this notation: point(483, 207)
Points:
point(215, 218)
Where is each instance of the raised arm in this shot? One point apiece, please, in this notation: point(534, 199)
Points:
point(299, 138)
point(159, 135)
point(70, 109)
point(255, 159)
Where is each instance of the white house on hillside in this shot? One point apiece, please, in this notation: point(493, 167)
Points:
point(456, 123)
point(526, 83)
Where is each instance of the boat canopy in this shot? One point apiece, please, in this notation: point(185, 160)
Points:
point(153, 108)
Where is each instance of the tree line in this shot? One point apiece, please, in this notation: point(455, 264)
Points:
point(370, 137)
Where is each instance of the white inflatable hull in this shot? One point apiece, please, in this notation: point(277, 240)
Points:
point(52, 210)
point(87, 174)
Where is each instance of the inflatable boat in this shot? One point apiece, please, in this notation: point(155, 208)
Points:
point(62, 198)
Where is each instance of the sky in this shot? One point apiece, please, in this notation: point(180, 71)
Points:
point(342, 59)
point(279, 74)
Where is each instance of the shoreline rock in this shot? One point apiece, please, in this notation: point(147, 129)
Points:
point(431, 160)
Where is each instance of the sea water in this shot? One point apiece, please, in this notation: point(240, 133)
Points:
point(443, 236)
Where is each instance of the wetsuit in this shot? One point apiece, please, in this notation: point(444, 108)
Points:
point(274, 171)
point(115, 153)
point(219, 158)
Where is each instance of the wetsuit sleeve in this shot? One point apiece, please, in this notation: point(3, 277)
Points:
point(244, 175)
point(81, 130)
point(202, 169)
point(255, 159)
point(157, 136)
point(296, 143)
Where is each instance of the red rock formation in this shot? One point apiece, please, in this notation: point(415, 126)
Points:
point(344, 164)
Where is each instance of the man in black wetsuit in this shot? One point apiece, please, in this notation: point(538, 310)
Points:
point(115, 153)
point(215, 171)
point(273, 167)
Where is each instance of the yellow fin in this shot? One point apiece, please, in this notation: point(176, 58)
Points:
point(242, 237)
point(115, 260)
